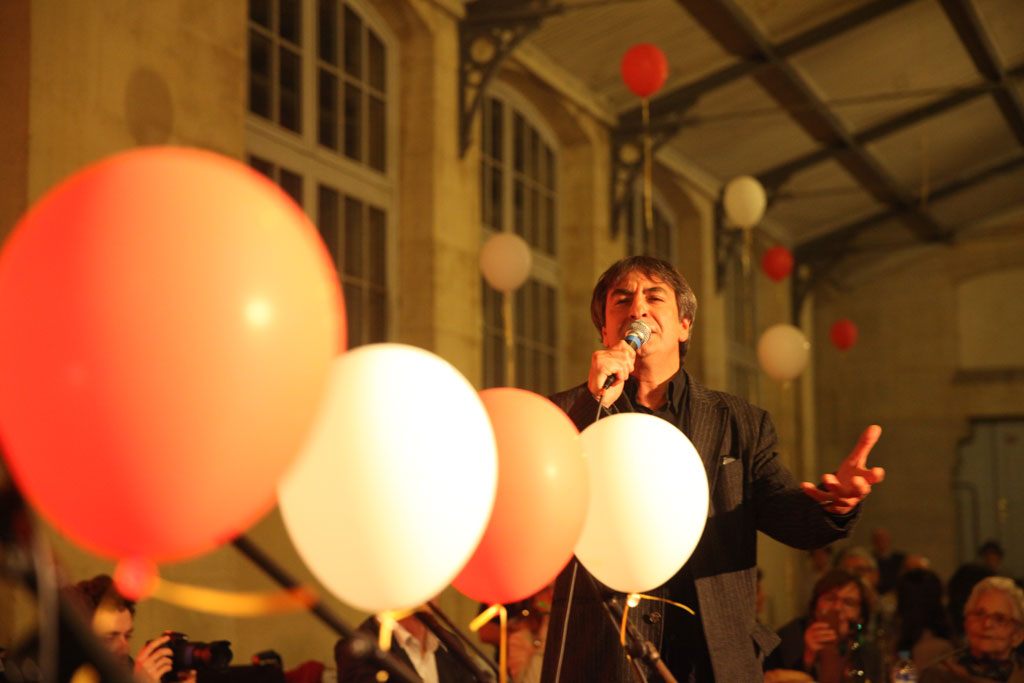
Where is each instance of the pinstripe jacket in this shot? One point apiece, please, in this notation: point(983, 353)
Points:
point(750, 491)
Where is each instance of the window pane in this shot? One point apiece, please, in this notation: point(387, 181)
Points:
point(377, 64)
point(377, 263)
point(485, 204)
point(377, 129)
point(518, 207)
point(497, 112)
point(377, 324)
point(259, 12)
point(353, 236)
point(291, 90)
point(353, 44)
point(533, 153)
point(291, 183)
point(327, 114)
point(263, 166)
point(496, 199)
point(259, 74)
point(549, 245)
point(327, 31)
point(353, 122)
point(328, 220)
point(549, 168)
point(536, 236)
point(354, 313)
point(518, 142)
point(291, 20)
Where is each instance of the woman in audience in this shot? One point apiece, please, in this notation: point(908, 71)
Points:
point(994, 625)
point(922, 622)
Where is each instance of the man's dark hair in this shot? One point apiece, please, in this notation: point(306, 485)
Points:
point(837, 578)
point(654, 268)
point(99, 590)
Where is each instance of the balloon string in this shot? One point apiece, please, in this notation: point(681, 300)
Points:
point(233, 604)
point(748, 246)
point(388, 618)
point(648, 207)
point(633, 599)
point(510, 344)
point(482, 619)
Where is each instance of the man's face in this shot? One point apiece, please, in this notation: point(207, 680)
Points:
point(845, 600)
point(114, 628)
point(991, 629)
point(638, 297)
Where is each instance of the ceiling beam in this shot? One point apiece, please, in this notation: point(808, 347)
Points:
point(735, 32)
point(838, 240)
point(965, 19)
point(683, 96)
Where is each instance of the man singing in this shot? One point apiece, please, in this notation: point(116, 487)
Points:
point(749, 491)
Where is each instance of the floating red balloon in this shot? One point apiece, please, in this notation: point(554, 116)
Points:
point(843, 334)
point(777, 263)
point(541, 502)
point(169, 318)
point(644, 69)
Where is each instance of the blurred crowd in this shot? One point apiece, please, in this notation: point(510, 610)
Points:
point(874, 611)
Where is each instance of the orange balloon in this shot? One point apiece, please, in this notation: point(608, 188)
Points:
point(169, 319)
point(541, 502)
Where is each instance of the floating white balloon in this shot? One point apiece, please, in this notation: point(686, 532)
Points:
point(505, 261)
point(648, 501)
point(744, 200)
point(783, 352)
point(395, 486)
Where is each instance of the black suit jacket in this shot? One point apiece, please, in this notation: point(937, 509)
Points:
point(352, 670)
point(750, 490)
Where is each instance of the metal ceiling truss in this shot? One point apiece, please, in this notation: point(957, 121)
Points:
point(488, 34)
point(766, 63)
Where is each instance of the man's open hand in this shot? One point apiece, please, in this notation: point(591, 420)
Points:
point(852, 482)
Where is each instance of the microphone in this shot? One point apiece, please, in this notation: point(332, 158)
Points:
point(636, 336)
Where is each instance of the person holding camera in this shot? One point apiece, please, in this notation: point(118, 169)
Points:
point(826, 645)
point(112, 617)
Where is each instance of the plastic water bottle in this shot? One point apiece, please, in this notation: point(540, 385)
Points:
point(904, 671)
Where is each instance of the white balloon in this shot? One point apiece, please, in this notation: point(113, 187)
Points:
point(648, 501)
point(505, 261)
point(783, 352)
point(396, 482)
point(745, 201)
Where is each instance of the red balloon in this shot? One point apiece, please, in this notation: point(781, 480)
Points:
point(644, 69)
point(777, 263)
point(169, 318)
point(843, 334)
point(541, 502)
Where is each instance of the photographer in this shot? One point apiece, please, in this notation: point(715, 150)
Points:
point(112, 617)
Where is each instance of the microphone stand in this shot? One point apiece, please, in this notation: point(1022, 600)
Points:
point(454, 629)
point(453, 643)
point(637, 647)
point(360, 644)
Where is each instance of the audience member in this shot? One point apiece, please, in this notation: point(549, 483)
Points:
point(962, 583)
point(922, 623)
point(412, 643)
point(994, 625)
point(889, 561)
point(826, 642)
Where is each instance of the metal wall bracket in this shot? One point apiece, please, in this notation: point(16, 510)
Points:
point(488, 34)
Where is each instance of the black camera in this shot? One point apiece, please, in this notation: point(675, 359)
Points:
point(188, 655)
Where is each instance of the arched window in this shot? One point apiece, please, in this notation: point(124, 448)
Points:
point(322, 122)
point(660, 240)
point(519, 192)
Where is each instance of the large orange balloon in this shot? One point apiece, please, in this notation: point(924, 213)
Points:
point(169, 317)
point(541, 501)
